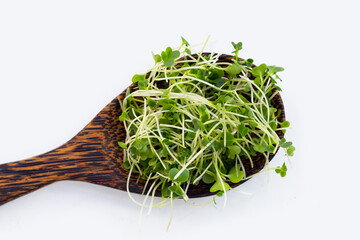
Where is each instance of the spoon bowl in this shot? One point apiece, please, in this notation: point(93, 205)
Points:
point(94, 156)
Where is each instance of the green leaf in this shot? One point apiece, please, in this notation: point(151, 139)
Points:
point(275, 69)
point(152, 162)
point(233, 150)
point(230, 139)
point(169, 62)
point(183, 177)
point(218, 186)
point(201, 125)
point(215, 74)
point(164, 56)
point(184, 42)
point(144, 156)
point(219, 82)
point(260, 148)
point(151, 103)
point(143, 84)
point(204, 115)
point(219, 194)
point(165, 192)
point(203, 109)
point(290, 151)
point(270, 148)
point(164, 152)
point(168, 52)
point(177, 190)
point(235, 176)
point(272, 110)
point(126, 164)
point(257, 81)
point(175, 54)
point(286, 145)
point(237, 46)
point(122, 145)
point(259, 71)
point(281, 170)
point(138, 77)
point(285, 124)
point(229, 99)
point(190, 136)
point(185, 152)
point(167, 141)
point(123, 116)
point(282, 141)
point(156, 57)
point(249, 62)
point(278, 88)
point(233, 69)
point(243, 130)
point(208, 179)
point(172, 173)
point(273, 125)
point(252, 124)
point(138, 145)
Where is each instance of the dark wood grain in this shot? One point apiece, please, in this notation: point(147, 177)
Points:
point(93, 156)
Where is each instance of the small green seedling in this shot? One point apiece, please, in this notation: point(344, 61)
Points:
point(281, 170)
point(169, 56)
point(122, 145)
point(236, 175)
point(138, 77)
point(237, 47)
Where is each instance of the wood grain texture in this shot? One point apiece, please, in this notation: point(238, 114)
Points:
point(93, 156)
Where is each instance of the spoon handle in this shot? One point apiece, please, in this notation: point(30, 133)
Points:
point(72, 161)
point(22, 177)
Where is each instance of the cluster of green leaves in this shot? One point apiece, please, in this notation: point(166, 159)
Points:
point(201, 120)
point(288, 146)
point(281, 170)
point(168, 56)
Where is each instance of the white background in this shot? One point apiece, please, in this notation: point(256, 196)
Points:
point(61, 62)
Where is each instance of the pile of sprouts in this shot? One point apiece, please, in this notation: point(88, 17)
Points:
point(192, 119)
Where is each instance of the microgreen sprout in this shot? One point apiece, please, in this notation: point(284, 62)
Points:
point(281, 170)
point(237, 47)
point(194, 119)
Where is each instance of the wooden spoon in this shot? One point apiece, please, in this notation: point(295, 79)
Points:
point(94, 156)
